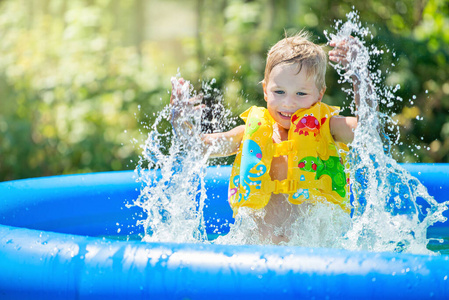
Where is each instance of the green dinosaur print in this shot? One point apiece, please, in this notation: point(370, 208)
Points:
point(331, 167)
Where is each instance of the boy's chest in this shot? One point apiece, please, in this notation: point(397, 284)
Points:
point(279, 168)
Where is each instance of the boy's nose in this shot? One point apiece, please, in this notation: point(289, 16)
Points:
point(290, 102)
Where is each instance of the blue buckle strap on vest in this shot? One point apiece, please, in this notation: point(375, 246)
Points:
point(285, 186)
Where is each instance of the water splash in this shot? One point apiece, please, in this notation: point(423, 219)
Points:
point(306, 225)
point(392, 209)
point(173, 193)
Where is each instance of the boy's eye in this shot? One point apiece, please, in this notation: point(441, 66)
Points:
point(279, 92)
point(301, 94)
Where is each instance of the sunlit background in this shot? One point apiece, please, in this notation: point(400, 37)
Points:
point(79, 79)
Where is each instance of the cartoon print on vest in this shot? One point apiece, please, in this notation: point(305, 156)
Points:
point(252, 126)
point(331, 167)
point(249, 170)
point(301, 192)
point(308, 124)
point(233, 191)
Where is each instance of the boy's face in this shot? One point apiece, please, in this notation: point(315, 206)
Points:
point(287, 91)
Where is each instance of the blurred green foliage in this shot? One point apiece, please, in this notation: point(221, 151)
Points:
point(81, 80)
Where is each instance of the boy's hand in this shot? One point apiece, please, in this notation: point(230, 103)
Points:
point(184, 108)
point(346, 53)
point(180, 95)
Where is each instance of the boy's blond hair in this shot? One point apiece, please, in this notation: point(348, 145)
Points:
point(300, 50)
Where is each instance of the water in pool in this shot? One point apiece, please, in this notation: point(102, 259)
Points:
point(392, 209)
point(439, 239)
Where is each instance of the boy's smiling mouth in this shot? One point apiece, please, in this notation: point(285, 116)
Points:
point(285, 115)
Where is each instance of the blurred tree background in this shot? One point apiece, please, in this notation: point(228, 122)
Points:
point(79, 79)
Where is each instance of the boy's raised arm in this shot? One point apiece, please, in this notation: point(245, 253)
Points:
point(224, 143)
point(342, 128)
point(345, 52)
point(215, 144)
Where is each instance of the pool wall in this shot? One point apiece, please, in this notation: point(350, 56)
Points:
point(52, 247)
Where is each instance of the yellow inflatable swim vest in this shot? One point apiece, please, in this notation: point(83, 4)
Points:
point(315, 163)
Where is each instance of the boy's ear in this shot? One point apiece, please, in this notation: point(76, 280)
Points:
point(322, 94)
point(264, 90)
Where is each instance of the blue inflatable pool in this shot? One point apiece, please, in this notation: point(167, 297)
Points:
point(54, 245)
